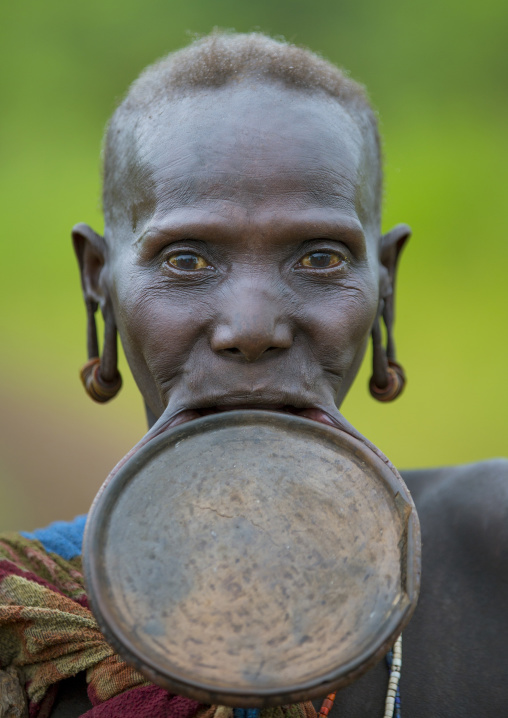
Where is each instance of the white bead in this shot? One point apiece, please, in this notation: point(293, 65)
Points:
point(394, 678)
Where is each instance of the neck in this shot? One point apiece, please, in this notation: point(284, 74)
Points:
point(149, 416)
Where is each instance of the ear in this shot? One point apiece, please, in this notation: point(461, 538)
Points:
point(391, 245)
point(100, 377)
point(90, 249)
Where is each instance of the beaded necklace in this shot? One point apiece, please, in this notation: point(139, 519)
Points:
point(392, 702)
point(394, 660)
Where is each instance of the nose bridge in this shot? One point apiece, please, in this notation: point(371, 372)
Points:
point(251, 321)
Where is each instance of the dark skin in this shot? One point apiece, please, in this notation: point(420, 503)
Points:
point(249, 323)
point(246, 270)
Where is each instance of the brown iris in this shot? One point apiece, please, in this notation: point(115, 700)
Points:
point(188, 261)
point(321, 260)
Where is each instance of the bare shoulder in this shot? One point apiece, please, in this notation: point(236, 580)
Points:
point(468, 502)
point(456, 640)
point(442, 478)
point(484, 481)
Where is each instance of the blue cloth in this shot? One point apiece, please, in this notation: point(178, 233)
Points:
point(246, 712)
point(64, 538)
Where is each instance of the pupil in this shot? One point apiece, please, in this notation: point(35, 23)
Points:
point(187, 261)
point(320, 259)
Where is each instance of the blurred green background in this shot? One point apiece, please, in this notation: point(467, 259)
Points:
point(437, 72)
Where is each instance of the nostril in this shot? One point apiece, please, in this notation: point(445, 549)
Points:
point(235, 351)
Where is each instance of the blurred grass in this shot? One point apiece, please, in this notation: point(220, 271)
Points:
point(437, 73)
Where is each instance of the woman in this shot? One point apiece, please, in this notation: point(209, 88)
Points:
point(242, 266)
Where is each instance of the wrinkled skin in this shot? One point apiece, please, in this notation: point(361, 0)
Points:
point(249, 195)
point(244, 267)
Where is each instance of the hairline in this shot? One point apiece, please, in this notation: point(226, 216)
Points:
point(159, 85)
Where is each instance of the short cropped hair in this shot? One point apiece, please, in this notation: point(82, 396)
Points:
point(224, 58)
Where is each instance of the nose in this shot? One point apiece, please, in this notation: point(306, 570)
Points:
point(251, 325)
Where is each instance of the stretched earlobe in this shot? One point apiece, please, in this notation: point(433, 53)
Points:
point(99, 375)
point(388, 377)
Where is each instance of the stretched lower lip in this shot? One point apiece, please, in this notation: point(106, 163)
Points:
point(312, 413)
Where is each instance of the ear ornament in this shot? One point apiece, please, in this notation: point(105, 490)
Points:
point(96, 387)
point(396, 380)
point(100, 376)
point(388, 377)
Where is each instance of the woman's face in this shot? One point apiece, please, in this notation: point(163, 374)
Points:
point(243, 265)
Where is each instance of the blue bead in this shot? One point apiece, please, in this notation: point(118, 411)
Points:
point(389, 658)
point(246, 712)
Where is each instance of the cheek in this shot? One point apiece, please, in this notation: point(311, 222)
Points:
point(340, 325)
point(158, 331)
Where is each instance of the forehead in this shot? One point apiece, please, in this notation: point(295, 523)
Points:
point(255, 148)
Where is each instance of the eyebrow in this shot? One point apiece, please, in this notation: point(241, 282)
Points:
point(298, 224)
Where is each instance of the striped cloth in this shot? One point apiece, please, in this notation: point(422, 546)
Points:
point(48, 633)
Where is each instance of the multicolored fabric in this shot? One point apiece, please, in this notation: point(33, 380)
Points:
point(48, 633)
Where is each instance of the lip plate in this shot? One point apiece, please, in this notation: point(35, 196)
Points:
point(108, 601)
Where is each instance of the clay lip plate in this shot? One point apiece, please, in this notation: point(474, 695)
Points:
point(253, 558)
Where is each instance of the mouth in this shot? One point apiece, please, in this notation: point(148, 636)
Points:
point(313, 413)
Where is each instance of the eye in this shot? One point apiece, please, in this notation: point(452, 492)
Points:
point(321, 259)
point(188, 261)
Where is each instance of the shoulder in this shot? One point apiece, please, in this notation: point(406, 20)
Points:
point(466, 505)
point(480, 485)
point(443, 478)
point(456, 640)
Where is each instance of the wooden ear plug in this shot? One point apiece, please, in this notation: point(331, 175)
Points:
point(98, 388)
point(395, 385)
